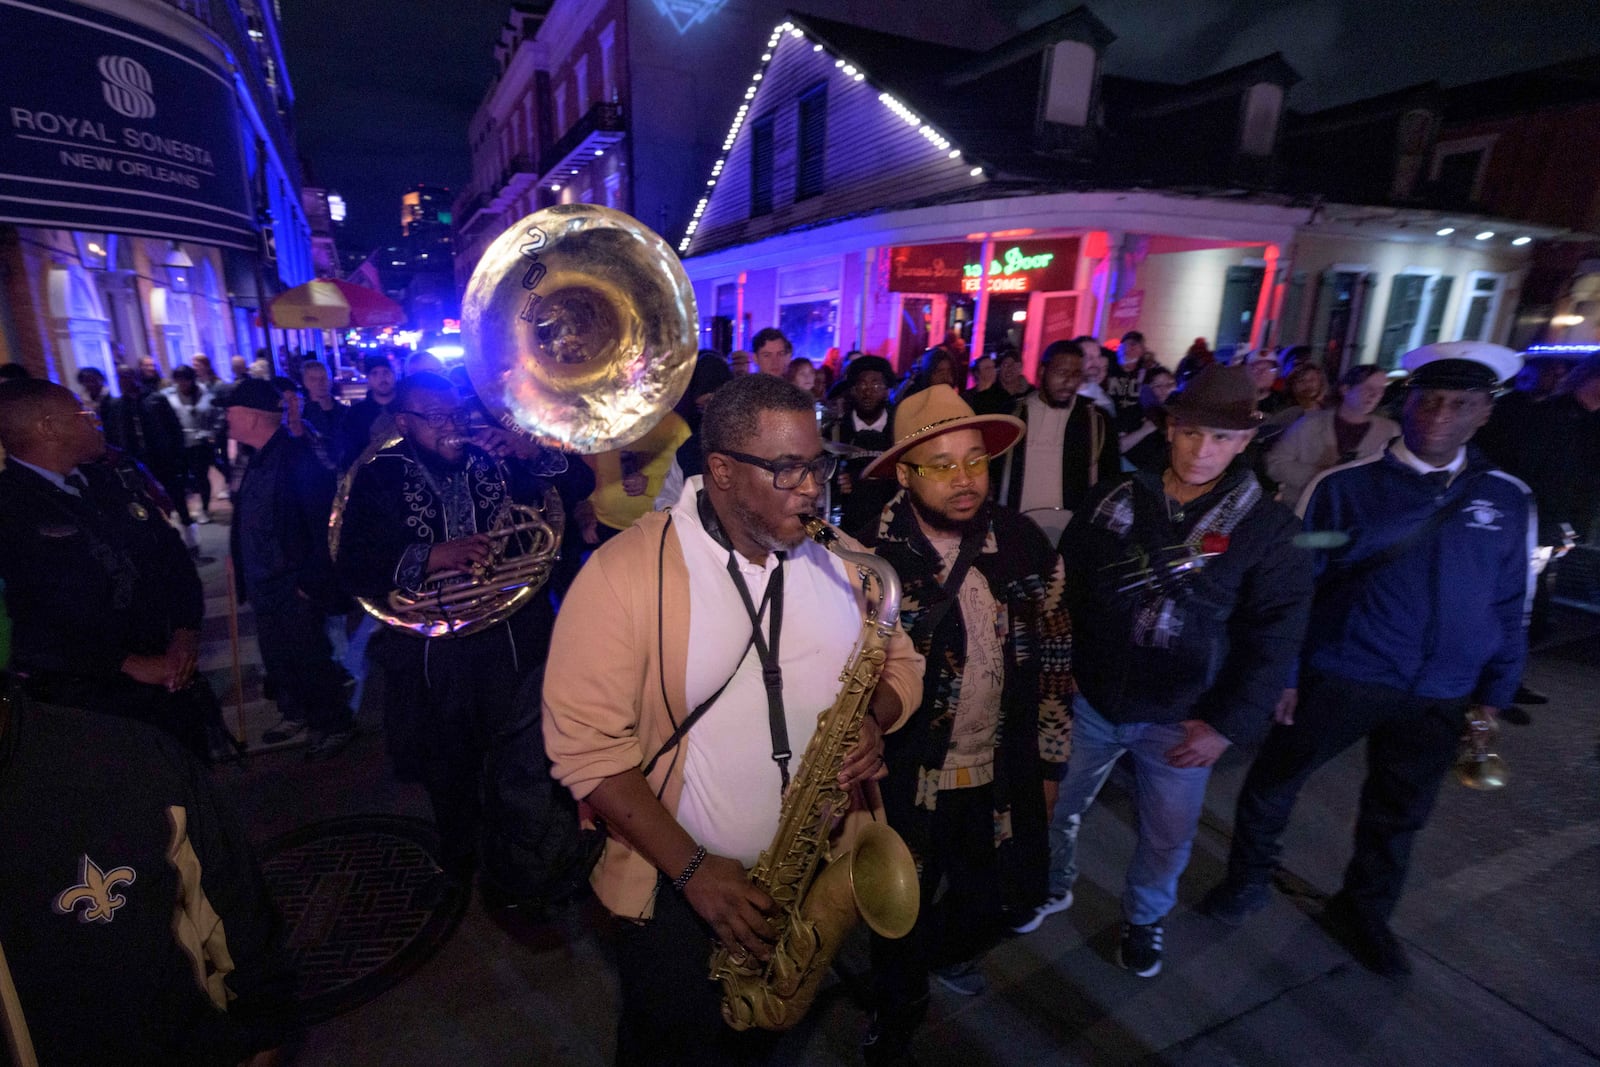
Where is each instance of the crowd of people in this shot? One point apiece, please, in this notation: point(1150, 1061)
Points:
point(1113, 559)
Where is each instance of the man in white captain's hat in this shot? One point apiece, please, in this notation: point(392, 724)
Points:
point(1424, 583)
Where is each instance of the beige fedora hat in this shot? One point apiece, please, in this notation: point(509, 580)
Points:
point(934, 412)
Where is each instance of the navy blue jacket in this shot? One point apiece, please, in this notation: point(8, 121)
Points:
point(1447, 618)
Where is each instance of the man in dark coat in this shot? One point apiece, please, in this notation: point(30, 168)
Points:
point(1190, 603)
point(105, 600)
point(1011, 386)
point(1418, 629)
point(983, 602)
point(864, 427)
point(1071, 445)
point(372, 415)
point(280, 554)
point(1552, 444)
point(420, 510)
point(141, 423)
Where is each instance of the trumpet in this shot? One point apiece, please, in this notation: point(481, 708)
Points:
point(1477, 767)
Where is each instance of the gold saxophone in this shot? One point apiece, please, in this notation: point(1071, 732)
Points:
point(820, 897)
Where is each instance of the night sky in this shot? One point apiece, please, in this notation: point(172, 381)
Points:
point(384, 90)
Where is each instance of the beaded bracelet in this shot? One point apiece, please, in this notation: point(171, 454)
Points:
point(688, 872)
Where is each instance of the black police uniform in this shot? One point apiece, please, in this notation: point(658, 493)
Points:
point(91, 580)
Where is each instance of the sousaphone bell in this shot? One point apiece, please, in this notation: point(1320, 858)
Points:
point(579, 328)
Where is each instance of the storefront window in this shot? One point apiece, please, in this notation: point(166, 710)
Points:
point(811, 326)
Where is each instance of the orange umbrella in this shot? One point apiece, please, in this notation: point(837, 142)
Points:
point(326, 304)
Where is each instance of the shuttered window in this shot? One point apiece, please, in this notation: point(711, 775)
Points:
point(761, 167)
point(813, 141)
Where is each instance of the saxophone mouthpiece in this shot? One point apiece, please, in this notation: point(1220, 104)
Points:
point(818, 530)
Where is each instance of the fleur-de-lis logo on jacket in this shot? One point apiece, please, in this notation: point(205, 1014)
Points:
point(97, 890)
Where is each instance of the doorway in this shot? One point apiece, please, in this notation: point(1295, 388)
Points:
point(1240, 293)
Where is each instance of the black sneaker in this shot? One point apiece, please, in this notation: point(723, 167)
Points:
point(1231, 903)
point(1526, 695)
point(1140, 950)
point(888, 1040)
point(329, 745)
point(1367, 938)
point(963, 979)
point(286, 730)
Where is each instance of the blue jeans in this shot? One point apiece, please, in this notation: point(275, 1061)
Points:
point(1168, 798)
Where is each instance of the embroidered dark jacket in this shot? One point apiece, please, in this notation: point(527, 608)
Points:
point(1025, 577)
point(1239, 620)
point(91, 580)
point(395, 513)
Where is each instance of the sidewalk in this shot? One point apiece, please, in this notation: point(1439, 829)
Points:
point(1500, 920)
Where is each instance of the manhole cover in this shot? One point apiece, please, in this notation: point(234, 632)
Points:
point(361, 905)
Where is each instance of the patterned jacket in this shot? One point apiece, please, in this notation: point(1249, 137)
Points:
point(1026, 578)
point(398, 509)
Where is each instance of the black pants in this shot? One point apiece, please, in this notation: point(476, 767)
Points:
point(197, 471)
point(298, 656)
point(1411, 744)
point(450, 701)
point(672, 1012)
point(956, 925)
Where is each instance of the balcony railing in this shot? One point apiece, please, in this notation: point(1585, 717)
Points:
point(603, 117)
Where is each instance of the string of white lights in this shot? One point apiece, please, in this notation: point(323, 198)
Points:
point(929, 133)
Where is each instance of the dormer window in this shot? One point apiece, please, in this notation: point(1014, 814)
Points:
point(1069, 80)
point(1263, 106)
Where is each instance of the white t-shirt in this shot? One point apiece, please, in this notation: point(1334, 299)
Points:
point(731, 800)
point(1047, 431)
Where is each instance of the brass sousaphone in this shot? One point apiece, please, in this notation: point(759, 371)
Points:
point(579, 330)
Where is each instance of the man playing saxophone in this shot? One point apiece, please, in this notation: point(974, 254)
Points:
point(688, 668)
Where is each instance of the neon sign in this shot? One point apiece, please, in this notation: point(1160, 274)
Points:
point(686, 14)
point(997, 283)
point(1026, 267)
point(1014, 261)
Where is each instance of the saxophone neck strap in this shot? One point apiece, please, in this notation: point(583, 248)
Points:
point(766, 646)
point(767, 650)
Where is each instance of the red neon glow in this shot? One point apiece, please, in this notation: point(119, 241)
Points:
point(1096, 244)
point(999, 284)
point(1269, 283)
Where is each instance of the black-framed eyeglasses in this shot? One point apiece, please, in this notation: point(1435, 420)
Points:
point(438, 420)
point(789, 475)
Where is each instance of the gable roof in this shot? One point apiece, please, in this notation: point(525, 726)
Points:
point(983, 105)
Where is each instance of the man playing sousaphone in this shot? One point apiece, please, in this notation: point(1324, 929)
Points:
point(420, 509)
point(693, 651)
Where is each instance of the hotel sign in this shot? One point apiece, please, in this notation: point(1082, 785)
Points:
point(106, 125)
point(1016, 267)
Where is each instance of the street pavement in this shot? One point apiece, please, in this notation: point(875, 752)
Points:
point(1500, 920)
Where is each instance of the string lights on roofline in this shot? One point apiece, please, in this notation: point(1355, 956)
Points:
point(928, 132)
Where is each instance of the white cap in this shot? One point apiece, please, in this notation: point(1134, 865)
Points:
point(1461, 365)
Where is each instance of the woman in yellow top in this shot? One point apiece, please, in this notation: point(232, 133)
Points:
point(627, 480)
